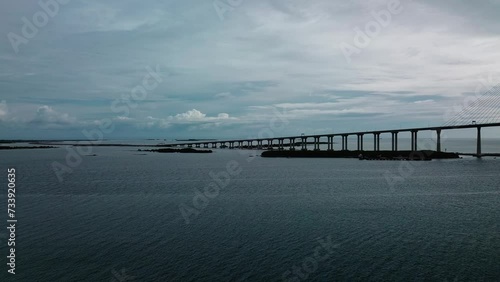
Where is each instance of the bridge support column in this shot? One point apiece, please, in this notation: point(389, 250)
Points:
point(345, 147)
point(479, 153)
point(304, 144)
point(270, 144)
point(414, 138)
point(438, 142)
point(316, 143)
point(394, 141)
point(360, 142)
point(377, 142)
point(330, 143)
point(292, 144)
point(280, 144)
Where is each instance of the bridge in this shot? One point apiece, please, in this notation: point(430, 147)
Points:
point(292, 144)
point(481, 113)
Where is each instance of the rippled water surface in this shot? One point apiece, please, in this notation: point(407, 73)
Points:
point(117, 216)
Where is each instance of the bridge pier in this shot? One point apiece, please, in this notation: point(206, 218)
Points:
point(360, 142)
point(304, 144)
point(344, 142)
point(330, 143)
point(316, 143)
point(378, 141)
point(478, 152)
point(438, 142)
point(414, 138)
point(394, 141)
point(292, 144)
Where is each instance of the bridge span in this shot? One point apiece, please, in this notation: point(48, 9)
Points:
point(269, 143)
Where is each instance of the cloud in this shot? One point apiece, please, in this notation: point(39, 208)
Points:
point(197, 116)
point(152, 122)
point(46, 116)
point(223, 116)
point(264, 55)
point(191, 118)
point(192, 115)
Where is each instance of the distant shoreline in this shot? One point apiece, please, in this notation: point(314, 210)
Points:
point(364, 155)
point(25, 147)
point(170, 148)
point(185, 150)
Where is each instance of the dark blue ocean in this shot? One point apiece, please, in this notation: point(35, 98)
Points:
point(118, 216)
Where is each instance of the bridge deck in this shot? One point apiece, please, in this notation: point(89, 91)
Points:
point(433, 128)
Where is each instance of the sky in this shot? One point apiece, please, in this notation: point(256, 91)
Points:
point(240, 68)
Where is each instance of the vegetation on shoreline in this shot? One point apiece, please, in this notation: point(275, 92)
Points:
point(381, 155)
point(25, 147)
point(185, 150)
